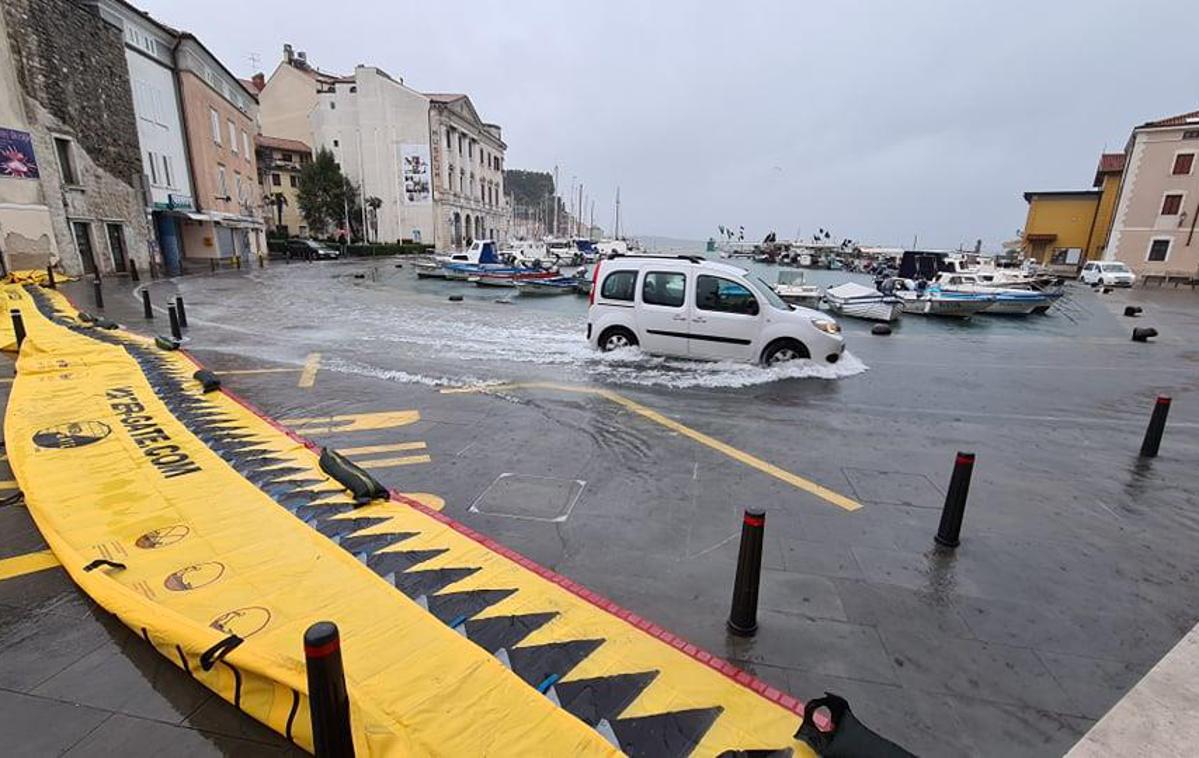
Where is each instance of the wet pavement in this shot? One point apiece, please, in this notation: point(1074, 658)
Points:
point(1076, 571)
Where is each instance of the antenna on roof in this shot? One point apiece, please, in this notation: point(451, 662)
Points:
point(255, 61)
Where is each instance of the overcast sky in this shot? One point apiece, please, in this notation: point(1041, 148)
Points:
point(876, 120)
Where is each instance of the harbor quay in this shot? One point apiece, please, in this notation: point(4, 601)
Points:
point(631, 476)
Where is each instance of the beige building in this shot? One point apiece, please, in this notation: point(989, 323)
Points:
point(221, 120)
point(1154, 226)
point(279, 164)
point(434, 164)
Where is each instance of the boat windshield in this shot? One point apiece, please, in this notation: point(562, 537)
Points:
point(585, 246)
point(772, 297)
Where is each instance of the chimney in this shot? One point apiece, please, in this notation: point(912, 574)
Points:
point(303, 56)
point(259, 80)
point(288, 57)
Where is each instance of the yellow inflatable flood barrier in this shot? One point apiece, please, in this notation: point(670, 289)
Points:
point(213, 534)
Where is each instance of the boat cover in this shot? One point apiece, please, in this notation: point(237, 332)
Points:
point(214, 535)
point(852, 291)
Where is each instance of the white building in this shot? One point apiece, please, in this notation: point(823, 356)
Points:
point(437, 167)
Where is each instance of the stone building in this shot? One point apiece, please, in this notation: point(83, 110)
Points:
point(435, 165)
point(68, 105)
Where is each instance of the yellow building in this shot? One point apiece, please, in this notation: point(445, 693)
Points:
point(280, 161)
point(1069, 227)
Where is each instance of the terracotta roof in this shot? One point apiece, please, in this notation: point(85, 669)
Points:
point(281, 143)
point(1180, 120)
point(1109, 163)
point(249, 86)
point(1028, 196)
point(444, 97)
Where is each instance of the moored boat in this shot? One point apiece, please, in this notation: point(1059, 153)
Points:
point(792, 288)
point(1011, 301)
point(558, 285)
point(860, 301)
point(931, 300)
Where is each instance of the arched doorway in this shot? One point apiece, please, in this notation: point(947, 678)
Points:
point(456, 233)
point(470, 229)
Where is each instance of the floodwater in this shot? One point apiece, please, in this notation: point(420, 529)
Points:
point(385, 322)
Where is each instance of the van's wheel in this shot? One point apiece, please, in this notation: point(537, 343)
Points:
point(616, 338)
point(781, 351)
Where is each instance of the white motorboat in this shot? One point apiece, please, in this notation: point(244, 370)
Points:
point(529, 253)
point(860, 301)
point(1012, 301)
point(792, 288)
point(931, 300)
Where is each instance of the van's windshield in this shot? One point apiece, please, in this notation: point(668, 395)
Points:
point(772, 297)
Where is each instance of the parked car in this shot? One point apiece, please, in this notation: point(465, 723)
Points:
point(1111, 273)
point(688, 306)
point(303, 248)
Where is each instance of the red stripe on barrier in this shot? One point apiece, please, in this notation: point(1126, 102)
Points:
point(1163, 400)
point(964, 458)
point(322, 651)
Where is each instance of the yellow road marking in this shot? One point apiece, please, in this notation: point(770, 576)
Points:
point(308, 375)
point(8, 484)
point(427, 499)
point(260, 371)
point(406, 460)
point(26, 564)
point(724, 448)
point(352, 422)
point(370, 449)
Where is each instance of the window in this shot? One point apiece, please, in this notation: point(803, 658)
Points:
point(232, 136)
point(83, 243)
point(1183, 163)
point(241, 196)
point(335, 143)
point(276, 180)
point(167, 171)
point(1191, 134)
point(215, 120)
point(449, 139)
point(332, 105)
point(619, 285)
point(661, 288)
point(1159, 249)
point(1171, 204)
point(152, 163)
point(712, 293)
point(66, 160)
point(221, 183)
point(245, 144)
point(286, 158)
point(292, 180)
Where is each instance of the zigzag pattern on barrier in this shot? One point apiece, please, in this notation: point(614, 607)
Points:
point(597, 701)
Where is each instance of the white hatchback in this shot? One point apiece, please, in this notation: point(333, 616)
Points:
point(1112, 273)
point(691, 307)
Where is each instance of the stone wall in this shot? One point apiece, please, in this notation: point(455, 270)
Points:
point(72, 69)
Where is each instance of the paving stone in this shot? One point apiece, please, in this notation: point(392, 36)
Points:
point(34, 727)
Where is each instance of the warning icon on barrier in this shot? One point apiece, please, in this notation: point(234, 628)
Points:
point(167, 535)
point(243, 621)
point(195, 576)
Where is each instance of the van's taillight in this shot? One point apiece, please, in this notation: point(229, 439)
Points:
point(594, 281)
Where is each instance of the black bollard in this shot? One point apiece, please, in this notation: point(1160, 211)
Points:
point(955, 501)
point(182, 312)
point(1157, 425)
point(50, 277)
point(1143, 333)
point(18, 326)
point(133, 275)
point(743, 618)
point(328, 703)
point(98, 292)
point(212, 265)
point(146, 309)
point(174, 316)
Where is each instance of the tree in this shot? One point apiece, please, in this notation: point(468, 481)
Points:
point(326, 196)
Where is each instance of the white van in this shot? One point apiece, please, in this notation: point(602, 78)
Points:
point(688, 306)
point(1107, 272)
